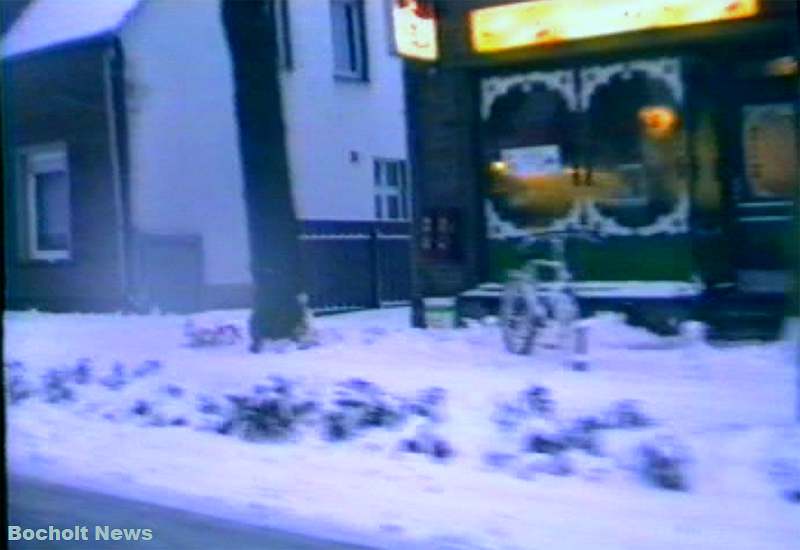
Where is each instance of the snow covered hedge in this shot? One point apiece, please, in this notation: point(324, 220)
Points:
point(276, 410)
point(532, 438)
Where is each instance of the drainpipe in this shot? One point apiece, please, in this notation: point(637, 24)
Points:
point(117, 134)
point(795, 242)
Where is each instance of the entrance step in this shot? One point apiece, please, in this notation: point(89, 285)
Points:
point(741, 316)
point(657, 305)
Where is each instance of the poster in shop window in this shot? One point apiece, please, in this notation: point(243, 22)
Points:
point(538, 160)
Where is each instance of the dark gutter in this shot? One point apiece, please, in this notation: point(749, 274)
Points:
point(116, 107)
point(99, 38)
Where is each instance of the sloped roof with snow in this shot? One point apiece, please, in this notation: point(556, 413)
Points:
point(48, 23)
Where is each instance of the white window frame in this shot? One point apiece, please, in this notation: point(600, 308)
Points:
point(383, 191)
point(354, 43)
point(31, 161)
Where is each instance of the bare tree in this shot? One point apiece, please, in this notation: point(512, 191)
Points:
point(250, 28)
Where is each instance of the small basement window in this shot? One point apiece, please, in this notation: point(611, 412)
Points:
point(45, 222)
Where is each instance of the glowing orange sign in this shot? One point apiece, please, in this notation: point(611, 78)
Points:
point(414, 30)
point(546, 21)
point(659, 122)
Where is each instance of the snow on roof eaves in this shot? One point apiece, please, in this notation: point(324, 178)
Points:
point(48, 23)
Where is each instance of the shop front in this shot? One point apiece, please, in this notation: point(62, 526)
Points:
point(665, 132)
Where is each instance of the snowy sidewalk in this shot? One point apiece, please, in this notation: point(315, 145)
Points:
point(732, 405)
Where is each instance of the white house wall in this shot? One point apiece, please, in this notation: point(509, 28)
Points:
point(185, 166)
point(327, 119)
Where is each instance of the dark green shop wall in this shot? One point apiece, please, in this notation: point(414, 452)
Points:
point(661, 258)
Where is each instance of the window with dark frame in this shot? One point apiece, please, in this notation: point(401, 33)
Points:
point(770, 150)
point(392, 190)
point(348, 32)
point(44, 192)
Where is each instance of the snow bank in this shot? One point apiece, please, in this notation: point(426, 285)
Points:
point(732, 408)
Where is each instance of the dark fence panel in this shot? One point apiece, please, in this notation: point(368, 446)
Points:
point(355, 265)
point(336, 270)
point(394, 268)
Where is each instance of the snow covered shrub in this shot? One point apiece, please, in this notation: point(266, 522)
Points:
point(55, 388)
point(209, 414)
point(338, 425)
point(141, 407)
point(167, 414)
point(207, 405)
point(173, 390)
point(539, 400)
point(18, 388)
point(273, 411)
point(259, 417)
point(304, 409)
point(82, 373)
point(426, 441)
point(363, 404)
point(381, 412)
point(151, 366)
point(159, 412)
point(116, 379)
point(442, 450)
point(543, 436)
point(219, 334)
point(430, 403)
point(354, 404)
point(627, 413)
point(583, 434)
point(280, 385)
point(508, 416)
point(664, 461)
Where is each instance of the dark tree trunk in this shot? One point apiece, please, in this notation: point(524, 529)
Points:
point(10, 10)
point(250, 30)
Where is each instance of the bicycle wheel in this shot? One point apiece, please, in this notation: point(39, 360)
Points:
point(518, 317)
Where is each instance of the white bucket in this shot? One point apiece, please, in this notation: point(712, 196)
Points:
point(440, 312)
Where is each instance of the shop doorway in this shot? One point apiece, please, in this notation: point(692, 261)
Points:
point(764, 185)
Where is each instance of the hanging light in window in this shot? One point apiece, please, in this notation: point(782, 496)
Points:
point(658, 121)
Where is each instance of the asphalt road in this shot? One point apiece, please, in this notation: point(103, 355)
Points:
point(35, 504)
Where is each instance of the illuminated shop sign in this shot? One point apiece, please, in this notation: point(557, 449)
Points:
point(414, 29)
point(547, 21)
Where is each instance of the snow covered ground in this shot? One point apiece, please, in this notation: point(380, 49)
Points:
point(733, 406)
